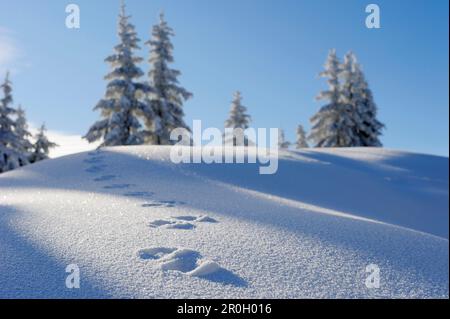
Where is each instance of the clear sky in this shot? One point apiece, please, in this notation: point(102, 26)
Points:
point(271, 50)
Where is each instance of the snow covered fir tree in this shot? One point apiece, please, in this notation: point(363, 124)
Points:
point(239, 121)
point(349, 119)
point(41, 147)
point(332, 126)
point(301, 138)
point(166, 99)
point(282, 143)
point(16, 147)
point(25, 146)
point(124, 100)
point(357, 95)
point(13, 146)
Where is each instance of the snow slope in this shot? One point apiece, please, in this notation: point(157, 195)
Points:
point(139, 226)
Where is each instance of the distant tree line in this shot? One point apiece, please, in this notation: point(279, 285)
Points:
point(17, 147)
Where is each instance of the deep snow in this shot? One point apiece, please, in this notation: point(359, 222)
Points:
point(139, 226)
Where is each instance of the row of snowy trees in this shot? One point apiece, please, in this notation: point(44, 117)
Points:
point(134, 111)
point(16, 146)
point(349, 119)
point(239, 120)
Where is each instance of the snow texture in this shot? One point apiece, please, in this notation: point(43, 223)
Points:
point(308, 231)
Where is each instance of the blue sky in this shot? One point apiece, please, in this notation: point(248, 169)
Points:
point(270, 50)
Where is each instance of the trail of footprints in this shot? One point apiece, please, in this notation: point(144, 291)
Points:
point(105, 178)
point(96, 166)
point(181, 222)
point(187, 261)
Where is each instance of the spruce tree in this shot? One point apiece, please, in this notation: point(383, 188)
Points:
point(124, 99)
point(282, 143)
point(239, 121)
point(333, 125)
point(10, 142)
point(357, 95)
point(22, 132)
point(350, 96)
point(167, 98)
point(301, 138)
point(41, 146)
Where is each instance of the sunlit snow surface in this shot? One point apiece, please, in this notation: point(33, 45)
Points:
point(139, 226)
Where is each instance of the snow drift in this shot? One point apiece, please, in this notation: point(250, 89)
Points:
point(138, 226)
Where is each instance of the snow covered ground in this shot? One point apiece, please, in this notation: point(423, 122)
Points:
point(139, 226)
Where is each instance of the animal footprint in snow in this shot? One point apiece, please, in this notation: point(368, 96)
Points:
point(170, 224)
point(206, 219)
point(96, 168)
point(138, 194)
point(166, 203)
point(154, 253)
point(191, 263)
point(105, 178)
point(117, 186)
point(94, 153)
point(198, 219)
point(181, 222)
point(186, 218)
point(160, 222)
point(154, 204)
point(93, 160)
point(186, 261)
point(181, 226)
